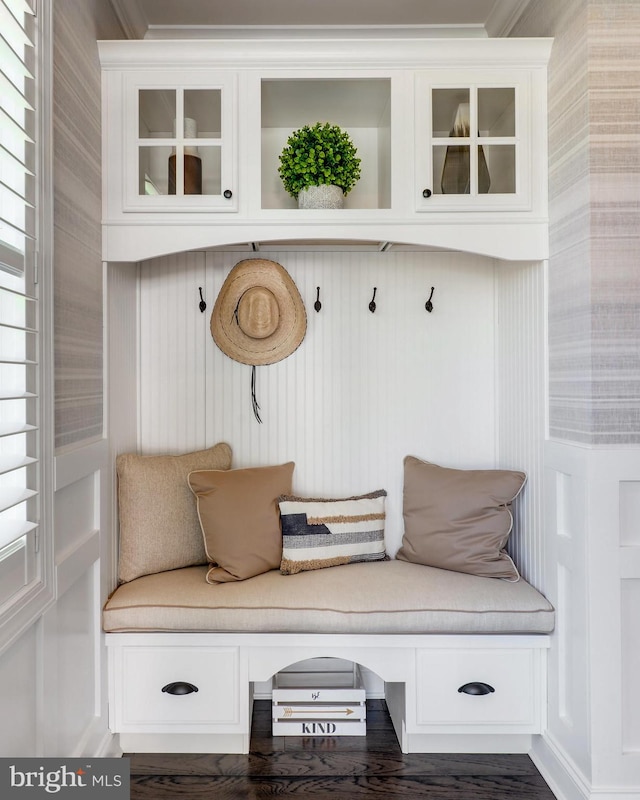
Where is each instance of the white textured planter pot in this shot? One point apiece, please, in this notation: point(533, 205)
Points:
point(326, 196)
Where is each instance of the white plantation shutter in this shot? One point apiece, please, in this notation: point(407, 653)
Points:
point(20, 567)
point(17, 123)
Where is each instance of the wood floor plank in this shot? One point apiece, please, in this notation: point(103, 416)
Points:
point(340, 788)
point(307, 763)
point(334, 768)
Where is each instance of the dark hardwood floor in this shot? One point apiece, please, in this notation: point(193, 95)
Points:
point(334, 768)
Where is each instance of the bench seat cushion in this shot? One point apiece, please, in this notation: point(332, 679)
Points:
point(379, 597)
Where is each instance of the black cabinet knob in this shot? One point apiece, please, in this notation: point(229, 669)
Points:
point(179, 687)
point(228, 194)
point(477, 687)
point(426, 192)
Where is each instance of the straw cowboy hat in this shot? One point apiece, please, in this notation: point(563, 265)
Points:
point(258, 317)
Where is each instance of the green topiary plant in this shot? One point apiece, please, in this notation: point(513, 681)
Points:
point(317, 155)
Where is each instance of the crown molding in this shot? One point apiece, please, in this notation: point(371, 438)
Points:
point(504, 16)
point(131, 17)
point(168, 32)
point(372, 53)
point(130, 13)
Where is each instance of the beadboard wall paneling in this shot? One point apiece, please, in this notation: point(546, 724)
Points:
point(77, 24)
point(521, 404)
point(361, 392)
point(121, 282)
point(122, 323)
point(171, 414)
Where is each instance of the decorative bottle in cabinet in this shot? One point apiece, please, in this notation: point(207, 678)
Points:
point(456, 169)
point(192, 163)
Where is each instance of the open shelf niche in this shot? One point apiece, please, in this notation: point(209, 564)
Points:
point(361, 106)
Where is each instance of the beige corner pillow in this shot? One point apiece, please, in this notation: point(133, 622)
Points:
point(459, 519)
point(240, 519)
point(159, 526)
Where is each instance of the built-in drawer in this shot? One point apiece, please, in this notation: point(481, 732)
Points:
point(498, 687)
point(175, 688)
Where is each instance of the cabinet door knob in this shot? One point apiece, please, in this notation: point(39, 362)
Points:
point(426, 192)
point(179, 687)
point(477, 687)
point(228, 194)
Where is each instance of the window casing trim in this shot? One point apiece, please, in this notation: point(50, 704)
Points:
point(28, 606)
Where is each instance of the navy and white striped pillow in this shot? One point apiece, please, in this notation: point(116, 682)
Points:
point(319, 533)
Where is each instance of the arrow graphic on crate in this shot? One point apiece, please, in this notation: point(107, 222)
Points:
point(289, 712)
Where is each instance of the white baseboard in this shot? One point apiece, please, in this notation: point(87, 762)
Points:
point(97, 741)
point(184, 743)
point(566, 780)
point(466, 743)
point(109, 747)
point(561, 773)
point(616, 793)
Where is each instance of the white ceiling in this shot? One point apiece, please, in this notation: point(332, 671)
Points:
point(155, 18)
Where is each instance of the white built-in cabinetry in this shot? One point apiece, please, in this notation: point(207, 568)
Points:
point(193, 692)
point(463, 385)
point(228, 106)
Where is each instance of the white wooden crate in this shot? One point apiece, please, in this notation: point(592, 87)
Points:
point(318, 698)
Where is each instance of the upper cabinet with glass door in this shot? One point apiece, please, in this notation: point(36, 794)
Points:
point(472, 142)
point(194, 128)
point(180, 151)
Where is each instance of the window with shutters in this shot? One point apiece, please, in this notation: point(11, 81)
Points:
point(24, 245)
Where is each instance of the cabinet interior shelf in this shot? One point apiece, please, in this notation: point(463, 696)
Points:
point(360, 106)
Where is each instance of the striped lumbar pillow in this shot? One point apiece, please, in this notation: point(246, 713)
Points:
point(319, 533)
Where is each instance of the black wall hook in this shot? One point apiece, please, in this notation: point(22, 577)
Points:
point(201, 305)
point(317, 305)
point(372, 304)
point(429, 305)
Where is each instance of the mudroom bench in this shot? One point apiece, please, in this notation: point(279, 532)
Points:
point(215, 595)
point(462, 657)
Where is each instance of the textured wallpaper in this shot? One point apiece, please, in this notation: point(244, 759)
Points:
point(77, 217)
point(614, 96)
point(594, 171)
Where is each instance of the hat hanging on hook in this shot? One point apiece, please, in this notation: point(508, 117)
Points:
point(258, 317)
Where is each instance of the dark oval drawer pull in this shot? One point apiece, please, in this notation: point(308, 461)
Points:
point(426, 193)
point(477, 687)
point(179, 687)
point(228, 194)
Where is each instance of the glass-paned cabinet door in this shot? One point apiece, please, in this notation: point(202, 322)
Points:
point(472, 143)
point(181, 154)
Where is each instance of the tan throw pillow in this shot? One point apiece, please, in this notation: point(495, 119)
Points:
point(159, 526)
point(240, 520)
point(459, 519)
